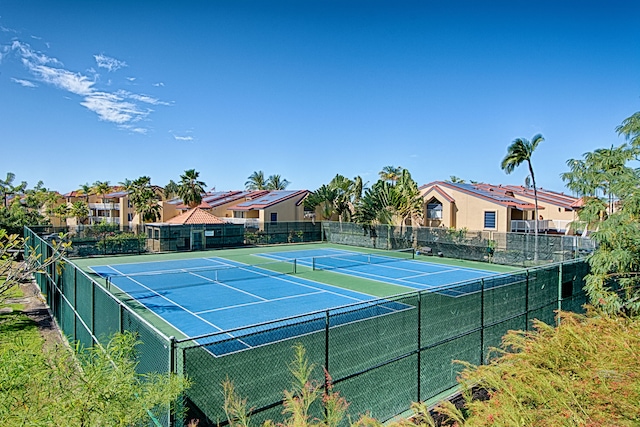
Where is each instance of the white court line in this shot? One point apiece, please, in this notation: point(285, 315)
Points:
point(229, 286)
point(379, 278)
point(281, 277)
point(389, 311)
point(174, 303)
point(259, 302)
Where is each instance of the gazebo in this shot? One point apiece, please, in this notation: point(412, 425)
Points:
point(193, 230)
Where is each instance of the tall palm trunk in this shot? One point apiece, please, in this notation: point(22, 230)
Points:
point(535, 200)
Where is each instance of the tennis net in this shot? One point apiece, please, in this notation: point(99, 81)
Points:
point(221, 274)
point(348, 260)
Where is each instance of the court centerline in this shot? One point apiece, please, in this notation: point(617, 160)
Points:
point(260, 302)
point(229, 286)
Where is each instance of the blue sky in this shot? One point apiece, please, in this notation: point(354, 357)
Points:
point(307, 89)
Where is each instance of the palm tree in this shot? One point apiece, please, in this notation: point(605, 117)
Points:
point(144, 199)
point(518, 152)
point(85, 190)
point(256, 181)
point(170, 190)
point(190, 190)
point(390, 173)
point(276, 182)
point(411, 202)
point(102, 188)
point(324, 197)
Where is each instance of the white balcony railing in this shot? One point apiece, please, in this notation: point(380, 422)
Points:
point(104, 206)
point(528, 226)
point(247, 222)
point(108, 220)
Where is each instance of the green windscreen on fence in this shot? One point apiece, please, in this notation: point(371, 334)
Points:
point(381, 355)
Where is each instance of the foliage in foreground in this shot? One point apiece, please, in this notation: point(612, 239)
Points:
point(99, 387)
point(13, 272)
point(586, 372)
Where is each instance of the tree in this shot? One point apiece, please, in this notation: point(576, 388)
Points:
point(276, 182)
point(324, 197)
point(601, 173)
point(85, 190)
point(256, 181)
point(190, 189)
point(390, 173)
point(13, 272)
point(520, 151)
point(101, 188)
point(411, 202)
point(171, 190)
point(25, 207)
point(79, 210)
point(144, 199)
point(8, 189)
point(610, 188)
point(456, 180)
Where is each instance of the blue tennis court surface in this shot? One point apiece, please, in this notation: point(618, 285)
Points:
point(202, 296)
point(391, 268)
point(207, 295)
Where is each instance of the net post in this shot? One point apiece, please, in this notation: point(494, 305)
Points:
point(295, 266)
point(313, 263)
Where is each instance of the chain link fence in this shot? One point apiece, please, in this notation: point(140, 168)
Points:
point(113, 239)
point(516, 249)
point(88, 314)
point(381, 355)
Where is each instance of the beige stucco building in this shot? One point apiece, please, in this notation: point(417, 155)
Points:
point(496, 208)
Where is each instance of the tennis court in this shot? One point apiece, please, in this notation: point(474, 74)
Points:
point(395, 267)
point(201, 296)
point(215, 295)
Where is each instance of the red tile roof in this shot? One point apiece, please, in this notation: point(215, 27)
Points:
point(195, 216)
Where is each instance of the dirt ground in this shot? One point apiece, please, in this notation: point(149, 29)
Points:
point(36, 309)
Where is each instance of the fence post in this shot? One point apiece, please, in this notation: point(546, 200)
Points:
point(482, 321)
point(326, 350)
point(526, 301)
point(93, 309)
point(75, 302)
point(419, 344)
point(172, 370)
point(559, 293)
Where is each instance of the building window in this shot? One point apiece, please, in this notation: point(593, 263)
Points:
point(274, 216)
point(434, 210)
point(129, 217)
point(490, 220)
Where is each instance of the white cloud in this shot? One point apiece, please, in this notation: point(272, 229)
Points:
point(182, 138)
point(63, 79)
point(159, 84)
point(111, 64)
point(131, 79)
point(25, 83)
point(112, 108)
point(147, 99)
point(120, 107)
point(31, 56)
